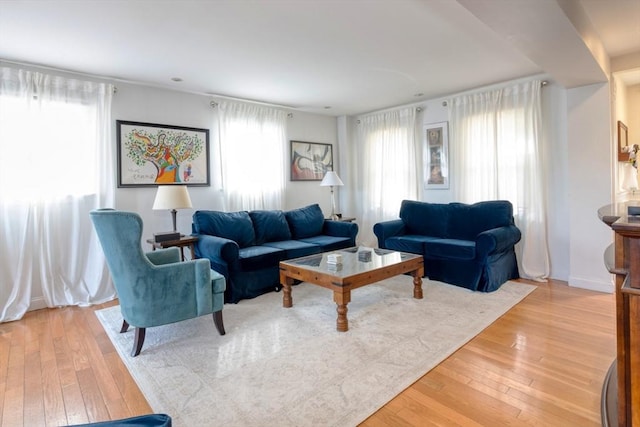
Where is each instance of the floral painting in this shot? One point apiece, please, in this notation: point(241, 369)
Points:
point(153, 154)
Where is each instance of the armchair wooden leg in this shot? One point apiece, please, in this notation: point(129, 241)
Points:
point(125, 327)
point(138, 341)
point(217, 319)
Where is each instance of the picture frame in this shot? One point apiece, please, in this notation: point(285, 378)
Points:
point(623, 142)
point(436, 156)
point(310, 161)
point(151, 154)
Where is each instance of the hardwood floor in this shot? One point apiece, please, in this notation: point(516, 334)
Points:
point(542, 364)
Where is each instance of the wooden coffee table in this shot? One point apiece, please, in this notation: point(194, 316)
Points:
point(357, 269)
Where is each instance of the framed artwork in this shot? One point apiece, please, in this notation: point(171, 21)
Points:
point(310, 160)
point(153, 154)
point(623, 143)
point(436, 156)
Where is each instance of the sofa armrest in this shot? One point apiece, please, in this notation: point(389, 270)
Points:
point(213, 247)
point(340, 229)
point(164, 256)
point(497, 240)
point(386, 229)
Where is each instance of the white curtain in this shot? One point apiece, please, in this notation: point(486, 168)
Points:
point(387, 173)
point(496, 154)
point(55, 140)
point(253, 155)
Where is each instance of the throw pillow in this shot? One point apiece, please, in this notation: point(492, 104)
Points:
point(305, 222)
point(270, 226)
point(236, 226)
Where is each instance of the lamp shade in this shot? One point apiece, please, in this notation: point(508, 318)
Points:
point(331, 179)
point(172, 197)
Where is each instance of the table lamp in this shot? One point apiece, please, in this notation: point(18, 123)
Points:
point(172, 197)
point(331, 179)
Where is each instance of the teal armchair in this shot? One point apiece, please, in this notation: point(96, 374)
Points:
point(155, 288)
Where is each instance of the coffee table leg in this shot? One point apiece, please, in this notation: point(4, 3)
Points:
point(417, 284)
point(342, 299)
point(286, 283)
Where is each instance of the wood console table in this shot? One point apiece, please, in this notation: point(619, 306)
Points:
point(621, 390)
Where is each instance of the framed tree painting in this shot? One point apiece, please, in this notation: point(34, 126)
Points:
point(310, 160)
point(154, 154)
point(436, 156)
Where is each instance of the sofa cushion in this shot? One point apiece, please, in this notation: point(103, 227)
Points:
point(427, 219)
point(270, 226)
point(236, 226)
point(257, 257)
point(467, 221)
point(295, 248)
point(411, 243)
point(450, 249)
point(305, 222)
point(328, 243)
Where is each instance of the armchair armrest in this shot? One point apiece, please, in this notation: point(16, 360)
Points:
point(497, 240)
point(387, 229)
point(212, 247)
point(164, 256)
point(340, 229)
point(187, 284)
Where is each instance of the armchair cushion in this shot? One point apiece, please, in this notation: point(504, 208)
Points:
point(305, 222)
point(236, 226)
point(270, 226)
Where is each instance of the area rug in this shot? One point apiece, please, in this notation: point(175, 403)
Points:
point(290, 367)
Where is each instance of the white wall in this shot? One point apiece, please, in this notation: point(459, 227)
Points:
point(633, 113)
point(154, 105)
point(313, 128)
point(435, 111)
point(590, 184)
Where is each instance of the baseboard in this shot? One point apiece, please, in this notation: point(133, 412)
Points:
point(592, 285)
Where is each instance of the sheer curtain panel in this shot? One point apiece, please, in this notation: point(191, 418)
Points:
point(55, 138)
point(496, 155)
point(386, 145)
point(252, 143)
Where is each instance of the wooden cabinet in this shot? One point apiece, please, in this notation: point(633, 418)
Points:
point(621, 391)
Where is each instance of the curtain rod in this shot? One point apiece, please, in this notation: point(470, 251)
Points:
point(543, 83)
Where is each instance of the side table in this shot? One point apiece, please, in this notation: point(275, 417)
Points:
point(343, 219)
point(180, 243)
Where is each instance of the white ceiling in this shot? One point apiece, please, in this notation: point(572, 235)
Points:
point(353, 56)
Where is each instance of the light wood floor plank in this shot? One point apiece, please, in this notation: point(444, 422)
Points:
point(541, 364)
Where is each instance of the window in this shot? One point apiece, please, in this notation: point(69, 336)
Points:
point(48, 150)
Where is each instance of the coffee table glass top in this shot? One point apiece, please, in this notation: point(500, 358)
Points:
point(355, 260)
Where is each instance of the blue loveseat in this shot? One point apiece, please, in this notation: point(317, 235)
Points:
point(247, 247)
point(465, 245)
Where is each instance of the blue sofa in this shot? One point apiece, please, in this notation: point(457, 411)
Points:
point(465, 245)
point(247, 247)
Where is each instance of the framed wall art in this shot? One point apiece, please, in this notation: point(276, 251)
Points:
point(623, 143)
point(436, 156)
point(310, 160)
point(154, 154)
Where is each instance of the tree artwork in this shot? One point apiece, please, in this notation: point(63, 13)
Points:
point(169, 151)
